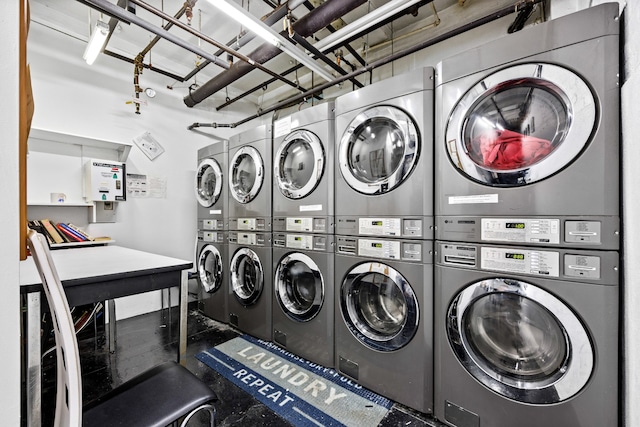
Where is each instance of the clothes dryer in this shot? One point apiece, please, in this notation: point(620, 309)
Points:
point(250, 283)
point(527, 146)
point(250, 179)
point(303, 171)
point(384, 177)
point(211, 194)
point(526, 336)
point(212, 267)
point(383, 330)
point(303, 303)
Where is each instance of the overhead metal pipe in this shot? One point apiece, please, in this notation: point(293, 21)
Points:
point(113, 10)
point(305, 26)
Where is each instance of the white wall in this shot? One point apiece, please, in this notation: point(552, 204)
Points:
point(9, 212)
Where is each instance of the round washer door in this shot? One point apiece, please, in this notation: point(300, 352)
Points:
point(247, 276)
point(208, 182)
point(299, 164)
point(210, 269)
point(521, 125)
point(378, 150)
point(379, 306)
point(246, 174)
point(299, 287)
point(520, 341)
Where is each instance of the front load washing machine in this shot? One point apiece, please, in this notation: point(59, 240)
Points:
point(210, 187)
point(526, 336)
point(250, 283)
point(527, 146)
point(303, 146)
point(250, 179)
point(212, 265)
point(383, 327)
point(384, 177)
point(303, 295)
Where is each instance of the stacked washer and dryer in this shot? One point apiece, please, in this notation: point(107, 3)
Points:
point(527, 214)
point(211, 247)
point(303, 222)
point(250, 265)
point(384, 237)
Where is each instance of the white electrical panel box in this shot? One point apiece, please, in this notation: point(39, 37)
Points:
point(104, 181)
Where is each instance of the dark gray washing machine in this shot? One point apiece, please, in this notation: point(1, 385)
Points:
point(384, 154)
point(526, 336)
point(250, 282)
point(384, 317)
point(303, 145)
point(527, 139)
point(210, 187)
point(212, 264)
point(250, 179)
point(303, 303)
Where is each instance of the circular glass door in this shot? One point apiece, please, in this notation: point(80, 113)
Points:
point(378, 150)
point(299, 287)
point(379, 306)
point(299, 164)
point(246, 174)
point(520, 341)
point(247, 276)
point(208, 182)
point(210, 269)
point(520, 125)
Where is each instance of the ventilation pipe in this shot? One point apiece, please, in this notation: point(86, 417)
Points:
point(314, 21)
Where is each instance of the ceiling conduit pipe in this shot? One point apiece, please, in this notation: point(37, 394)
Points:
point(314, 21)
point(383, 61)
point(116, 11)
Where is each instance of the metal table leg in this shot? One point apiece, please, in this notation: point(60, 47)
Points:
point(182, 329)
point(34, 363)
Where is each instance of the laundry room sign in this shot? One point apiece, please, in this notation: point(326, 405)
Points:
point(296, 389)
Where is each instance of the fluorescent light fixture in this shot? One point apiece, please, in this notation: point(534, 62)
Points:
point(96, 42)
point(262, 30)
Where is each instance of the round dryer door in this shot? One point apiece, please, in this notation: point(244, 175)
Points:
point(520, 125)
point(210, 269)
point(247, 276)
point(378, 150)
point(520, 341)
point(299, 164)
point(379, 306)
point(246, 174)
point(299, 287)
point(208, 183)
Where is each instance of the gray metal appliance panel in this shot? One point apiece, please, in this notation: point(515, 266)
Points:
point(215, 304)
point(410, 382)
point(589, 185)
point(260, 206)
point(215, 217)
point(320, 203)
point(254, 319)
point(313, 339)
point(413, 199)
point(460, 396)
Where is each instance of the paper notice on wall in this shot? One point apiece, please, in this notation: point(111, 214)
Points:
point(158, 187)
point(137, 185)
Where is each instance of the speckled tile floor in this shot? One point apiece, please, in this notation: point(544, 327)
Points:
point(147, 340)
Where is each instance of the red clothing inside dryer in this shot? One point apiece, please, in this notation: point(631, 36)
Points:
point(511, 150)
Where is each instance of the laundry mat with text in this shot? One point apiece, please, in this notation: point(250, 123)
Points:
point(301, 392)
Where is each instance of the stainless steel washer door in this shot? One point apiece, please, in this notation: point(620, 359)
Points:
point(299, 164)
point(378, 150)
point(520, 341)
point(520, 125)
point(299, 287)
point(246, 174)
point(208, 182)
point(210, 269)
point(247, 276)
point(379, 306)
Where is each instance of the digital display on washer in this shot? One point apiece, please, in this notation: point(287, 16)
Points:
point(378, 223)
point(376, 245)
point(514, 255)
point(518, 225)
